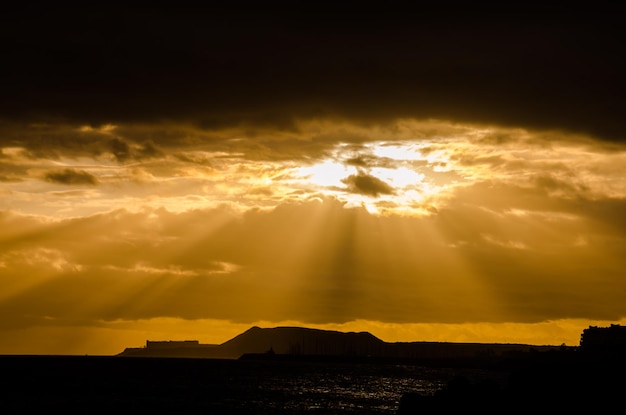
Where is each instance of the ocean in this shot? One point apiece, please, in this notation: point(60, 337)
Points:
point(82, 384)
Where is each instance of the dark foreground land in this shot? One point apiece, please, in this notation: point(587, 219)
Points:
point(555, 381)
point(533, 381)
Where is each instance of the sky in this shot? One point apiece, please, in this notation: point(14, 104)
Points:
point(439, 172)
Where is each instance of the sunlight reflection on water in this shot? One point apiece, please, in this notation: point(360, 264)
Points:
point(347, 390)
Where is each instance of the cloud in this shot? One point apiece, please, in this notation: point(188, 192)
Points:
point(320, 262)
point(123, 151)
point(59, 138)
point(546, 68)
point(366, 184)
point(71, 177)
point(408, 166)
point(357, 161)
point(39, 258)
point(434, 222)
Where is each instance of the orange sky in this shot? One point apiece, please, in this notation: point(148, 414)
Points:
point(443, 196)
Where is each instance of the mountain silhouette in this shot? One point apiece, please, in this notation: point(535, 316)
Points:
point(301, 341)
point(304, 341)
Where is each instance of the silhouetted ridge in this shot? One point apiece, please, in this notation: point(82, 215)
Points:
point(300, 341)
point(305, 341)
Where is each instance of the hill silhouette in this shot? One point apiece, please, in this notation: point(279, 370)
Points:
point(301, 341)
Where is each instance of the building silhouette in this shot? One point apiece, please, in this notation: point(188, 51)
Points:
point(612, 338)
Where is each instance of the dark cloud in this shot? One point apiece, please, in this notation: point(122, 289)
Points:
point(8, 179)
point(252, 63)
point(120, 149)
point(366, 184)
point(368, 161)
point(149, 150)
point(123, 151)
point(551, 184)
point(62, 139)
point(356, 161)
point(71, 177)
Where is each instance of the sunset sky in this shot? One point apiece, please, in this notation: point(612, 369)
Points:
point(171, 171)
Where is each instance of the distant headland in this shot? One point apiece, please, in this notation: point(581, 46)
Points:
point(300, 341)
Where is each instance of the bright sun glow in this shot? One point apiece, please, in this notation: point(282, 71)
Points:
point(401, 177)
point(390, 178)
point(403, 151)
point(327, 173)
